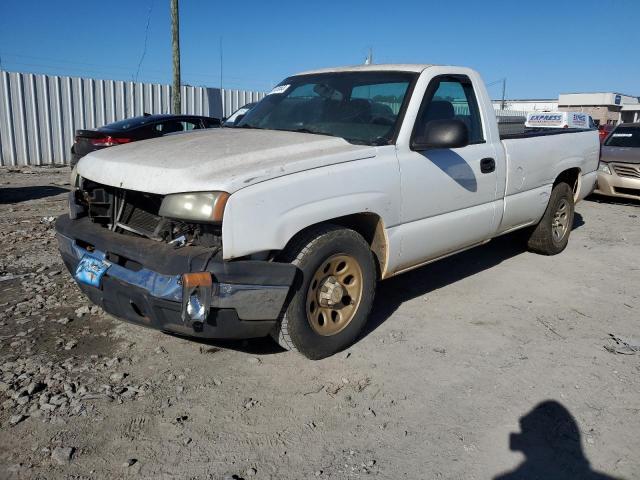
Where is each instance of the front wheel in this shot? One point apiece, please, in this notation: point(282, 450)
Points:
point(333, 294)
point(551, 235)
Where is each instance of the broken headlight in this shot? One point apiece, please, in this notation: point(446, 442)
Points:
point(201, 207)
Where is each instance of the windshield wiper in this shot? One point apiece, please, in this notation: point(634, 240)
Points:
point(380, 141)
point(376, 142)
point(306, 130)
point(246, 125)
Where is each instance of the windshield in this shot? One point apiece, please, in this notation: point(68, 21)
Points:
point(238, 115)
point(624, 137)
point(361, 107)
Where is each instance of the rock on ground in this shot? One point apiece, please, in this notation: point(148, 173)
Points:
point(457, 357)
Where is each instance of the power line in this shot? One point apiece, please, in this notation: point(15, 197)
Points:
point(102, 68)
point(490, 84)
point(40, 66)
point(503, 81)
point(59, 60)
point(202, 80)
point(146, 36)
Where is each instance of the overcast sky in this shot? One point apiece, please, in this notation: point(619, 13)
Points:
point(542, 47)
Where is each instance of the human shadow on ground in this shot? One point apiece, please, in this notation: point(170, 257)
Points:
point(23, 194)
point(549, 439)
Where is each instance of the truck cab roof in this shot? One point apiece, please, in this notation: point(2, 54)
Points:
point(383, 67)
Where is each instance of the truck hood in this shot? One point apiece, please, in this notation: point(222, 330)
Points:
point(222, 159)
point(620, 154)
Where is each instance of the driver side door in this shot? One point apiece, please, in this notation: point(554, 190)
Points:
point(449, 195)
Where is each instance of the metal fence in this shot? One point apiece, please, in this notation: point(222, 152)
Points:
point(511, 113)
point(39, 114)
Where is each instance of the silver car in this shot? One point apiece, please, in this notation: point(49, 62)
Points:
point(619, 170)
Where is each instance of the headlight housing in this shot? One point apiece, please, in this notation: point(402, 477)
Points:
point(604, 168)
point(202, 207)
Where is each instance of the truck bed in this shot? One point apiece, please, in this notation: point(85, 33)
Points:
point(511, 130)
point(534, 159)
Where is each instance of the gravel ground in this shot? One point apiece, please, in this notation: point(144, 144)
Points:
point(495, 363)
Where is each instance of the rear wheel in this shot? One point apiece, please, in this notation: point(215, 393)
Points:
point(333, 294)
point(551, 234)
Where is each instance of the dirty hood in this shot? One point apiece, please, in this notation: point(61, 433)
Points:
point(224, 159)
point(620, 154)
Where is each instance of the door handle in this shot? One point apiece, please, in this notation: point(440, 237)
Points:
point(487, 165)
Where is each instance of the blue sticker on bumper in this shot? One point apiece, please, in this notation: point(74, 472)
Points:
point(90, 270)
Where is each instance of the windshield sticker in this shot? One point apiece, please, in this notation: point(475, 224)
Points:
point(622, 135)
point(280, 89)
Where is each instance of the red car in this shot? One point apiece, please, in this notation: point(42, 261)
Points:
point(604, 131)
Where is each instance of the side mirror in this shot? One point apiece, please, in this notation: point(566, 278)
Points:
point(442, 134)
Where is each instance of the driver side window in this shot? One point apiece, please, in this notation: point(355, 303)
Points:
point(450, 98)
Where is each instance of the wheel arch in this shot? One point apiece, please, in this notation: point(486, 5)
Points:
point(369, 225)
point(572, 177)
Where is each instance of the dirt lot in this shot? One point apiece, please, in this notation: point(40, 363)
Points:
point(456, 354)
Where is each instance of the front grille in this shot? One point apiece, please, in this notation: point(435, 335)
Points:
point(117, 208)
point(634, 192)
point(627, 170)
point(138, 212)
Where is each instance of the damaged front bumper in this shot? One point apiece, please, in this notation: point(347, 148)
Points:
point(144, 283)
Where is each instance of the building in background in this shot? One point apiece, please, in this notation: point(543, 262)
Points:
point(630, 113)
point(605, 108)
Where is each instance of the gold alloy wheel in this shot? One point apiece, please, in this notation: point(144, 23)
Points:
point(334, 294)
point(560, 222)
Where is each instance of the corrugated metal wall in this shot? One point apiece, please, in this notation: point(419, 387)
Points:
point(39, 114)
point(510, 122)
point(511, 113)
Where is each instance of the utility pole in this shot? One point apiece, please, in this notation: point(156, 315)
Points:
point(220, 64)
point(504, 88)
point(175, 46)
point(224, 114)
point(369, 59)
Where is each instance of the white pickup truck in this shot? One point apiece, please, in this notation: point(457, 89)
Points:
point(338, 178)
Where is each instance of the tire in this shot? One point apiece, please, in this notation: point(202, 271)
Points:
point(546, 237)
point(313, 253)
